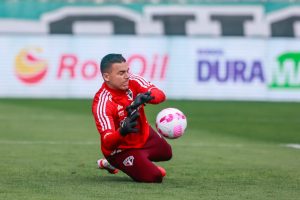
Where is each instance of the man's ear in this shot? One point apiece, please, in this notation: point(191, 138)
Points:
point(105, 76)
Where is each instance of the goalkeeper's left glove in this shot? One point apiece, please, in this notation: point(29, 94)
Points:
point(139, 100)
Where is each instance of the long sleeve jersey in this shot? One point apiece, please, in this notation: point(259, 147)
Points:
point(109, 109)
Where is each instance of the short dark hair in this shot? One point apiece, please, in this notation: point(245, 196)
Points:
point(110, 59)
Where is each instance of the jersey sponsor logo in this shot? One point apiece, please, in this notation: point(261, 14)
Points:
point(120, 110)
point(29, 68)
point(121, 113)
point(119, 107)
point(128, 161)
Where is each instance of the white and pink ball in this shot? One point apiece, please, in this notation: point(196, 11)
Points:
point(171, 123)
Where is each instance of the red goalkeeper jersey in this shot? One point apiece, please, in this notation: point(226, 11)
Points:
point(109, 109)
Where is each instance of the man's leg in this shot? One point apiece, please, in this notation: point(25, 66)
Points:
point(157, 147)
point(134, 163)
point(137, 163)
point(104, 164)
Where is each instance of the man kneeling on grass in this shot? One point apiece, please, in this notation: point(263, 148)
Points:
point(128, 142)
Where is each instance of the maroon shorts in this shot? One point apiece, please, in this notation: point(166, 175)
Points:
point(137, 163)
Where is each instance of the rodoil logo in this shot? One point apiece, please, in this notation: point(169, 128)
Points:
point(28, 67)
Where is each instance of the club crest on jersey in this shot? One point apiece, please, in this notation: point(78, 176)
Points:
point(129, 94)
point(128, 161)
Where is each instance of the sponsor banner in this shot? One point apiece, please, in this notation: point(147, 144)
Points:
point(69, 67)
point(185, 68)
point(229, 69)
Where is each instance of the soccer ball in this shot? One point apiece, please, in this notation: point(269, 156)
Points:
point(171, 123)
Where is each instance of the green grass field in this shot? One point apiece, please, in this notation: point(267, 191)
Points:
point(231, 150)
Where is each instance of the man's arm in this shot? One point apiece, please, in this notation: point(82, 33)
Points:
point(142, 87)
point(158, 95)
point(103, 114)
point(111, 139)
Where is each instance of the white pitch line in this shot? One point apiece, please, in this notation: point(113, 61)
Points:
point(200, 144)
point(47, 142)
point(28, 142)
point(210, 145)
point(295, 146)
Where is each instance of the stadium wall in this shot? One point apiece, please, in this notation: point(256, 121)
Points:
point(260, 19)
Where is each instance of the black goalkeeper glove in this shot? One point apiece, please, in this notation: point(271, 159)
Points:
point(139, 100)
point(128, 124)
point(143, 98)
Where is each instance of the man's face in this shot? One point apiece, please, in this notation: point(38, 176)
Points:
point(117, 77)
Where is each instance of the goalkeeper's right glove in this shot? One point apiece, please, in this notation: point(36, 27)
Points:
point(128, 124)
point(143, 98)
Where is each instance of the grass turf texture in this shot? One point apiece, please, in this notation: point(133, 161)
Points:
point(231, 150)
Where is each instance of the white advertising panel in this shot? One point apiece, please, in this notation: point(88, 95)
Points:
point(185, 68)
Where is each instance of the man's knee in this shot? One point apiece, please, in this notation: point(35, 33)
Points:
point(168, 152)
point(151, 177)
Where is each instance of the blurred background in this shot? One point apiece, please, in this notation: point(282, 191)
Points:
point(192, 49)
point(232, 66)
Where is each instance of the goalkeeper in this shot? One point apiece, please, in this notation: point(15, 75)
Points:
point(128, 142)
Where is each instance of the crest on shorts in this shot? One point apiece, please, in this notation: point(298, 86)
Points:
point(128, 161)
point(129, 94)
